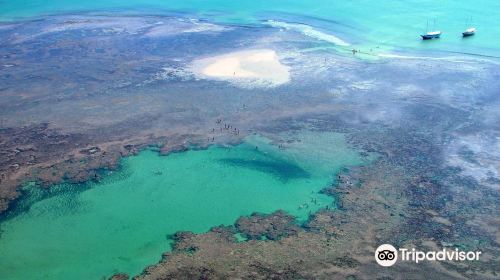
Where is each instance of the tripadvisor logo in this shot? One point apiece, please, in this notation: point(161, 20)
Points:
point(387, 255)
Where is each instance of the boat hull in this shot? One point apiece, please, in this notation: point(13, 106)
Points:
point(468, 34)
point(430, 37)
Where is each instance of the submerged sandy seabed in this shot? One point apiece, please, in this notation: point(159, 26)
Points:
point(252, 68)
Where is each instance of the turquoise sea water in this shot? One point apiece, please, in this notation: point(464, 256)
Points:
point(363, 23)
point(122, 223)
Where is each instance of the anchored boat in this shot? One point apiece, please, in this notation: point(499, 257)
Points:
point(469, 32)
point(432, 34)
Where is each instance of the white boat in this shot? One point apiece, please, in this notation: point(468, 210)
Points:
point(469, 32)
point(431, 35)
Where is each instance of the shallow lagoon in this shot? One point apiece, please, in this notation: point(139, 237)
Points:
point(122, 224)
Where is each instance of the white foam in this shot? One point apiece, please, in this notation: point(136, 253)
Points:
point(309, 31)
point(192, 26)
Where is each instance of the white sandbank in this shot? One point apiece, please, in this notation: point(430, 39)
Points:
point(249, 68)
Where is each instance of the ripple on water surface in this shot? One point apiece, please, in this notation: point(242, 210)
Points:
point(121, 224)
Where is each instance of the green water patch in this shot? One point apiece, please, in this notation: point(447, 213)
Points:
point(123, 223)
point(240, 238)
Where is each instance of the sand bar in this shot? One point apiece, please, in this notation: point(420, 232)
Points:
point(260, 67)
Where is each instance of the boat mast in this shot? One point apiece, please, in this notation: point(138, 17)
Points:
point(468, 22)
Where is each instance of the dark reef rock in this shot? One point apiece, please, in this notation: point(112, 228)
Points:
point(199, 273)
point(120, 276)
point(273, 226)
